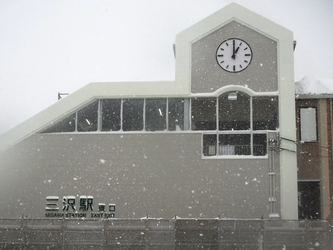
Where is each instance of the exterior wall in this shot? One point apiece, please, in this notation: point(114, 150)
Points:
point(315, 158)
point(308, 164)
point(260, 76)
point(160, 175)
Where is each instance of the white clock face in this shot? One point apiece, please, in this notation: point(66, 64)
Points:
point(234, 55)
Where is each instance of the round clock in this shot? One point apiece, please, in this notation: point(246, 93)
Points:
point(234, 55)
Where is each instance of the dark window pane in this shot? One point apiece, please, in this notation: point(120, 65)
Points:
point(259, 144)
point(265, 113)
point(111, 114)
point(234, 111)
point(155, 114)
point(209, 145)
point(235, 144)
point(87, 118)
point(65, 125)
point(204, 114)
point(133, 114)
point(309, 206)
point(178, 114)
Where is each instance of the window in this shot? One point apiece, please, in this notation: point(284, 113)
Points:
point(158, 114)
point(308, 124)
point(87, 118)
point(232, 124)
point(209, 144)
point(309, 200)
point(111, 109)
point(234, 111)
point(65, 125)
point(265, 113)
point(243, 122)
point(178, 114)
point(235, 144)
point(133, 114)
point(259, 144)
point(155, 114)
point(203, 113)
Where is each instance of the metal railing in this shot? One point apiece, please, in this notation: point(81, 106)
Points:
point(168, 234)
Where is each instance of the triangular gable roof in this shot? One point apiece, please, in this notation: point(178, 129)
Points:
point(232, 12)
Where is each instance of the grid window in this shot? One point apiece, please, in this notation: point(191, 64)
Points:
point(133, 114)
point(265, 113)
point(234, 144)
point(87, 118)
point(111, 109)
point(65, 125)
point(155, 114)
point(203, 113)
point(178, 114)
point(259, 144)
point(234, 111)
point(209, 144)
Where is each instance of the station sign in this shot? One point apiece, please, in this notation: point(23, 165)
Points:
point(68, 207)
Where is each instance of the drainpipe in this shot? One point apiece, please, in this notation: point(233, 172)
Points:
point(272, 145)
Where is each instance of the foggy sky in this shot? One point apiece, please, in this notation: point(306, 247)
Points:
point(55, 46)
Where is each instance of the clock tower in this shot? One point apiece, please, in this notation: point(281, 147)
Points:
point(238, 51)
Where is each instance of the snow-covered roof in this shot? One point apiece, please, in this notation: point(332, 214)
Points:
point(311, 85)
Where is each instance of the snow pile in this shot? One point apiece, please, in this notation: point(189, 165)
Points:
point(314, 85)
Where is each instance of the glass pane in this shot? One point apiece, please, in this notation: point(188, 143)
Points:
point(265, 113)
point(65, 125)
point(259, 144)
point(235, 144)
point(204, 114)
point(133, 114)
point(209, 145)
point(111, 114)
point(234, 111)
point(309, 205)
point(155, 114)
point(308, 124)
point(87, 118)
point(178, 114)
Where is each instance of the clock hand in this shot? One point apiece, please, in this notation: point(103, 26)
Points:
point(236, 50)
point(233, 50)
point(233, 46)
point(234, 53)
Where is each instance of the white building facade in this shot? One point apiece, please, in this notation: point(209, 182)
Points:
point(205, 145)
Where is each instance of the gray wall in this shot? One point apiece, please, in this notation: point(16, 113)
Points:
point(260, 76)
point(160, 175)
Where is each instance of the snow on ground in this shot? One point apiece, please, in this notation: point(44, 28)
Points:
point(314, 85)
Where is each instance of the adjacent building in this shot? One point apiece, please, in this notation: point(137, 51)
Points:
point(314, 147)
point(219, 141)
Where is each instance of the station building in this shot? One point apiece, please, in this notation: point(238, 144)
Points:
point(216, 142)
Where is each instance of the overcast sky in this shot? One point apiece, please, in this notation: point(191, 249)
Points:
point(51, 46)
